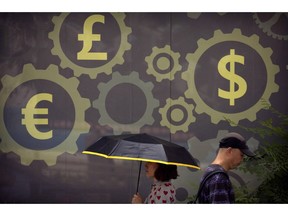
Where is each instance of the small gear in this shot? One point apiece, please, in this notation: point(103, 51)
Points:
point(176, 111)
point(132, 79)
point(268, 25)
point(163, 63)
point(203, 46)
point(92, 72)
point(48, 155)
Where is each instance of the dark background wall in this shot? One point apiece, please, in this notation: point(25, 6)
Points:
point(157, 73)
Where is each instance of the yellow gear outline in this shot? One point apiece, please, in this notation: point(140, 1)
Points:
point(203, 45)
point(169, 104)
point(175, 57)
point(146, 88)
point(266, 28)
point(8, 144)
point(92, 72)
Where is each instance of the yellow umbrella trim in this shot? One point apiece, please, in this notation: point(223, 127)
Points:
point(141, 159)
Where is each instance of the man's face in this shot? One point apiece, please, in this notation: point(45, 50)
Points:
point(236, 158)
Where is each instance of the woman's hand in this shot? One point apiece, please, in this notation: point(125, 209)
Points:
point(137, 199)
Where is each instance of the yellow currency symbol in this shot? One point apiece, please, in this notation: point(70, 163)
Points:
point(232, 94)
point(87, 37)
point(29, 119)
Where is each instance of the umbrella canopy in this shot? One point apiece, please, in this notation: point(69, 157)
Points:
point(142, 147)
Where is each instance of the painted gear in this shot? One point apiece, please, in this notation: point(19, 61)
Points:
point(92, 72)
point(176, 113)
point(133, 79)
point(268, 25)
point(195, 15)
point(168, 54)
point(70, 85)
point(203, 46)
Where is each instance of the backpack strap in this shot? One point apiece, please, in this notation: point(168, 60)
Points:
point(204, 181)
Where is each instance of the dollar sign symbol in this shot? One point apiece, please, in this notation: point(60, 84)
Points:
point(87, 37)
point(232, 77)
point(29, 119)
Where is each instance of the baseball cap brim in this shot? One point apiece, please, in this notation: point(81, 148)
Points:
point(248, 152)
point(235, 140)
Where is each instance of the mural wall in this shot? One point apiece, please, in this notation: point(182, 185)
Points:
point(69, 78)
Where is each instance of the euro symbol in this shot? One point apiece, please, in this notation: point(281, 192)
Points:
point(233, 78)
point(29, 119)
point(87, 37)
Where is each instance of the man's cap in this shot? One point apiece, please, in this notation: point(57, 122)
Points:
point(235, 140)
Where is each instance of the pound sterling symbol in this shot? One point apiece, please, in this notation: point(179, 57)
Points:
point(232, 77)
point(87, 37)
point(29, 119)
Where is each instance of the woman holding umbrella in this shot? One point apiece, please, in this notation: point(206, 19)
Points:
point(162, 190)
point(162, 158)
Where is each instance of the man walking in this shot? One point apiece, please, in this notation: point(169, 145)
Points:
point(217, 188)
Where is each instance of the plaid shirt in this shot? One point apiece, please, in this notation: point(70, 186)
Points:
point(218, 188)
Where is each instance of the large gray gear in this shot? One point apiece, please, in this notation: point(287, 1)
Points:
point(133, 79)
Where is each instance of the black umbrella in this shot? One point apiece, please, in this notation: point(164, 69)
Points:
point(142, 147)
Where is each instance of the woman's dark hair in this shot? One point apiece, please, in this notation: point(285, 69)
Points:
point(166, 172)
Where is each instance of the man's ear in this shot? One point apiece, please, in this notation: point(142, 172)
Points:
point(229, 150)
